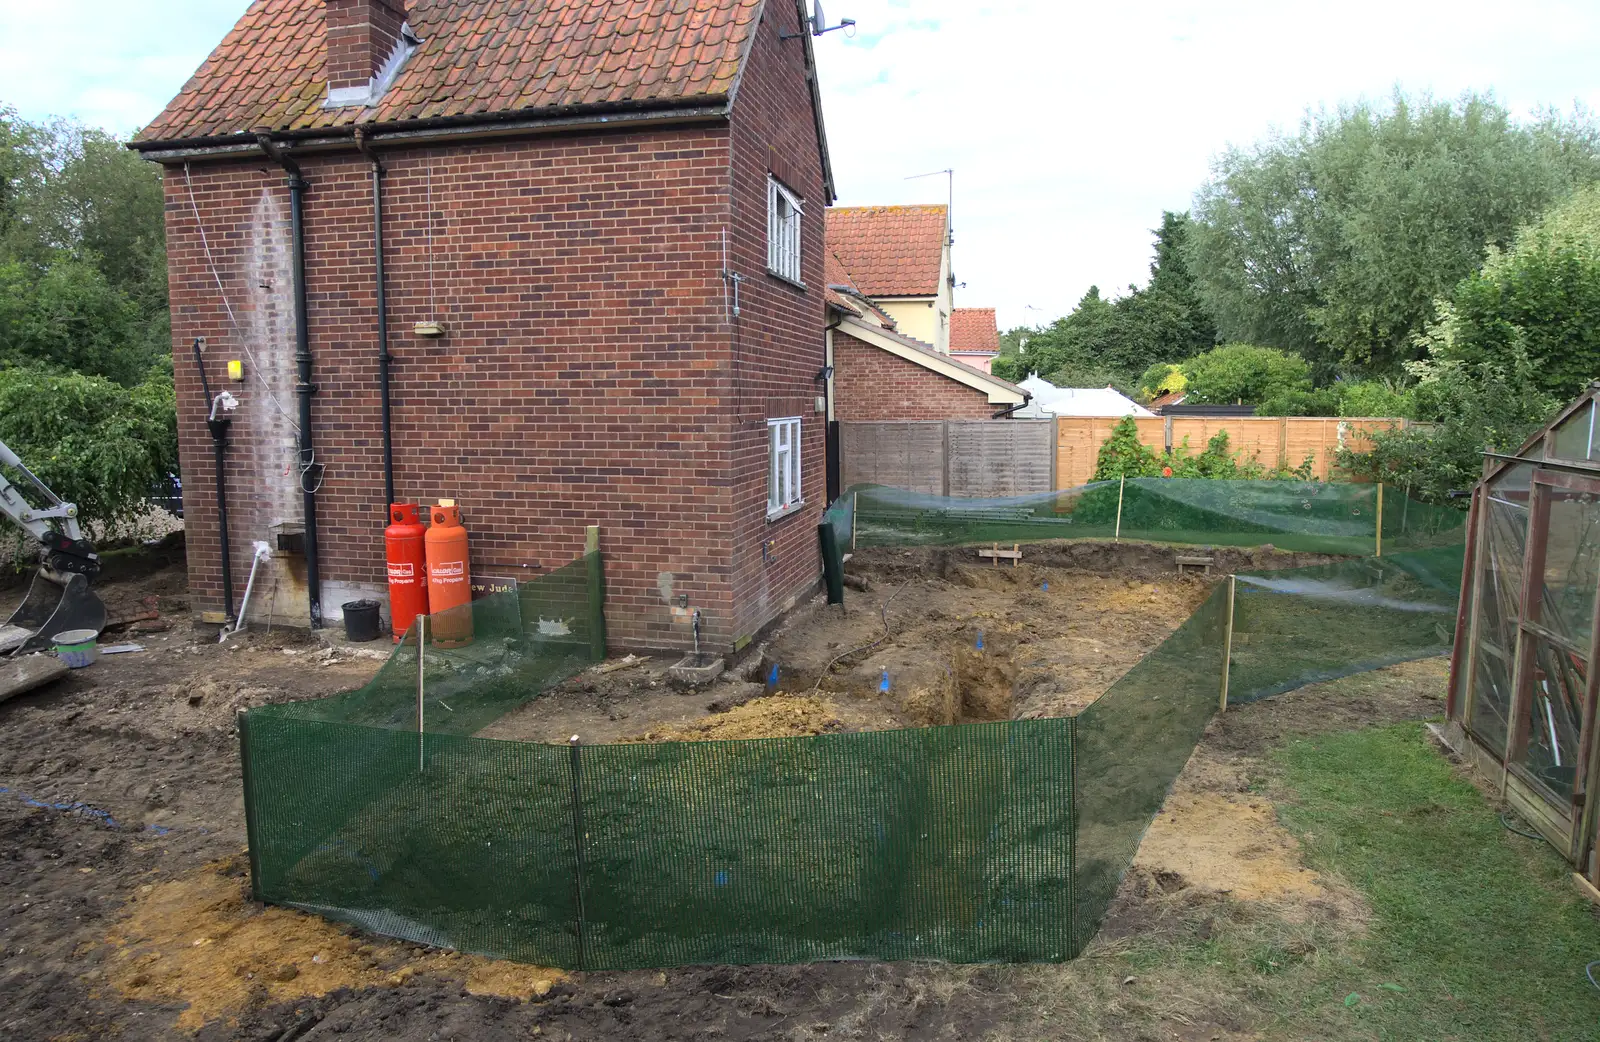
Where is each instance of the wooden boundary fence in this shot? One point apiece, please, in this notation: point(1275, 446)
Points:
point(985, 458)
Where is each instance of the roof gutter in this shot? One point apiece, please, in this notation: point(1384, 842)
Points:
point(1008, 411)
point(564, 118)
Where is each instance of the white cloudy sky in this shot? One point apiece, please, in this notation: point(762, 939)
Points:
point(1070, 126)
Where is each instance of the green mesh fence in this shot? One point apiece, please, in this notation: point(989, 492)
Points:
point(974, 843)
point(1132, 742)
point(1325, 517)
point(1297, 627)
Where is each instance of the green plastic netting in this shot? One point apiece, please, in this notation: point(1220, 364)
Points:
point(983, 842)
point(1291, 515)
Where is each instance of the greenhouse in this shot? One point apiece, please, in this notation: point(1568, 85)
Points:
point(1522, 690)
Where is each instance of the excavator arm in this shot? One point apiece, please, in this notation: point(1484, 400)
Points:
point(59, 599)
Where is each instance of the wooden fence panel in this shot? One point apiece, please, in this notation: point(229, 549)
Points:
point(1270, 441)
point(1078, 441)
point(990, 458)
point(902, 455)
point(1249, 437)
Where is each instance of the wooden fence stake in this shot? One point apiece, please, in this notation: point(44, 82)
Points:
point(597, 593)
point(1227, 645)
point(422, 644)
point(855, 519)
point(1379, 539)
point(1121, 485)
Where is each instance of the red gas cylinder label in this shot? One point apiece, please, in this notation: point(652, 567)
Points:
point(402, 572)
point(448, 571)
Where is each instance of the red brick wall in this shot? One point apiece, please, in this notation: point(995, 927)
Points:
point(591, 372)
point(583, 379)
point(778, 341)
point(869, 383)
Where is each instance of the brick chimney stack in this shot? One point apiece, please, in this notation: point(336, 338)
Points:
point(363, 36)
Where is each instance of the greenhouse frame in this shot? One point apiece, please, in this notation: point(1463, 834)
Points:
point(1522, 687)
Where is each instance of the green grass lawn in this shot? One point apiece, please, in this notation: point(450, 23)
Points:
point(1444, 927)
point(1476, 933)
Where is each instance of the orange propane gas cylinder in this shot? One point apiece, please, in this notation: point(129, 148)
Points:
point(408, 567)
point(449, 584)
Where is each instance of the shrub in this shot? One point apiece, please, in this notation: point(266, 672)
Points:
point(1244, 373)
point(1124, 455)
point(95, 443)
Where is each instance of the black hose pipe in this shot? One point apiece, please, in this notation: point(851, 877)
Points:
point(218, 425)
point(310, 470)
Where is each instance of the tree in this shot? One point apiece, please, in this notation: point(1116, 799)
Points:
point(1244, 373)
point(1076, 341)
point(1162, 378)
point(82, 251)
point(85, 376)
point(1335, 241)
point(1539, 299)
point(1471, 405)
point(1104, 342)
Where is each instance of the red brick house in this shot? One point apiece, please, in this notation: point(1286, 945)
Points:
point(889, 327)
point(581, 243)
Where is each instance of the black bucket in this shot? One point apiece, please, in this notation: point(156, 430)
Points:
point(361, 622)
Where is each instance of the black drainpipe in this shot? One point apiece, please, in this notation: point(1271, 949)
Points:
point(218, 425)
point(310, 470)
point(1005, 414)
point(384, 357)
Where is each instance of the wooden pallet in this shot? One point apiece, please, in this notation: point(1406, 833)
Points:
point(995, 555)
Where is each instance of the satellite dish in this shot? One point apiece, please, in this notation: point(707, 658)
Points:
point(819, 21)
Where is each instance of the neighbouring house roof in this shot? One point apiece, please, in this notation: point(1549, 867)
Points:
point(1166, 401)
point(1050, 400)
point(890, 251)
point(1000, 392)
point(1209, 410)
point(974, 331)
point(479, 61)
point(843, 293)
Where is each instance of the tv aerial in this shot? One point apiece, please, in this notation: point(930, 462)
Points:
point(819, 24)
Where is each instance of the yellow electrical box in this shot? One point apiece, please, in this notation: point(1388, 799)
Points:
point(235, 369)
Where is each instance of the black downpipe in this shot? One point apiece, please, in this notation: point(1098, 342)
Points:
point(310, 470)
point(218, 425)
point(384, 357)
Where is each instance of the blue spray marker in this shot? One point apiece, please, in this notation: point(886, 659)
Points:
point(883, 685)
point(980, 640)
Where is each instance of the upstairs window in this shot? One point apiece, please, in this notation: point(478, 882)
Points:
point(784, 210)
point(783, 467)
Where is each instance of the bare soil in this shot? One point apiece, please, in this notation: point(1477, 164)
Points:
point(123, 902)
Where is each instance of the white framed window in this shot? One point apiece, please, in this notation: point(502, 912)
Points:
point(784, 210)
point(783, 467)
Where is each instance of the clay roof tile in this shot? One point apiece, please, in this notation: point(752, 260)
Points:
point(890, 251)
point(479, 56)
point(974, 329)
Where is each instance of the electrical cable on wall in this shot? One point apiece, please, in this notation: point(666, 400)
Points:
point(238, 331)
point(307, 461)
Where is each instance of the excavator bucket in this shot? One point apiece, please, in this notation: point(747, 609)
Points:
point(55, 603)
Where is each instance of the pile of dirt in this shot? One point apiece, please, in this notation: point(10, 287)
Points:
point(777, 716)
point(196, 940)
